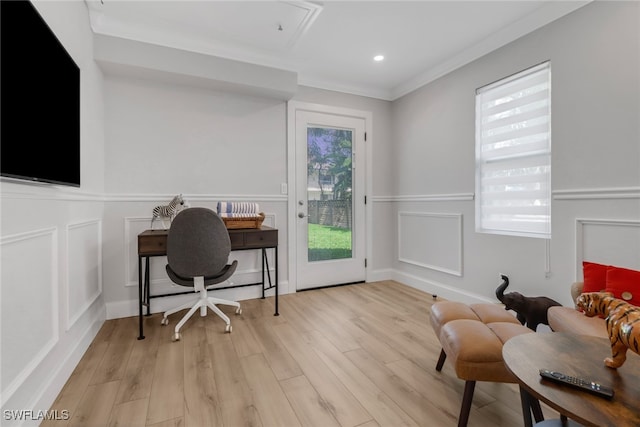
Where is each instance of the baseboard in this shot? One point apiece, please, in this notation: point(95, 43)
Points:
point(380, 275)
point(119, 309)
point(128, 308)
point(439, 289)
point(58, 379)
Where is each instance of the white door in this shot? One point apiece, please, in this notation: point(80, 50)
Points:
point(330, 215)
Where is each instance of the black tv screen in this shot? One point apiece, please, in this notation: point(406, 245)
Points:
point(39, 100)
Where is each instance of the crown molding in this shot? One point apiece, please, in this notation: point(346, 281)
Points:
point(102, 23)
point(336, 86)
point(546, 14)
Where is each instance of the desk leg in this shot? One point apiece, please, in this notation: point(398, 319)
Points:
point(141, 334)
point(276, 253)
point(265, 266)
point(264, 259)
point(147, 286)
point(265, 262)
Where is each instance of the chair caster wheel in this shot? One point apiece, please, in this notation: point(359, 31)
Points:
point(238, 310)
point(164, 321)
point(176, 337)
point(228, 329)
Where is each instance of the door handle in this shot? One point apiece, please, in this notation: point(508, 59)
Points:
point(302, 215)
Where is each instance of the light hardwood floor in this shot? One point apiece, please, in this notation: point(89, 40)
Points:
point(359, 355)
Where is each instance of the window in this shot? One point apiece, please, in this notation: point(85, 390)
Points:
point(325, 178)
point(513, 154)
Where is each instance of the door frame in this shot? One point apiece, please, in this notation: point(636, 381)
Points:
point(292, 108)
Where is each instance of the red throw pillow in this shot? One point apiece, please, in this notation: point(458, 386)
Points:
point(595, 276)
point(624, 284)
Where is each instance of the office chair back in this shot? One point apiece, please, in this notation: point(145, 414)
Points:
point(198, 243)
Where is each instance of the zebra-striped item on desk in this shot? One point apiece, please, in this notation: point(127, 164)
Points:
point(169, 211)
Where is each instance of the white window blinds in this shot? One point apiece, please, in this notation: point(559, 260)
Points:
point(513, 154)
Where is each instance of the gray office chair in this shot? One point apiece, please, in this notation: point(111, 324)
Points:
point(198, 248)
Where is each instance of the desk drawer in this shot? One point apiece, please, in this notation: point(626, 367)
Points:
point(152, 245)
point(264, 238)
point(237, 240)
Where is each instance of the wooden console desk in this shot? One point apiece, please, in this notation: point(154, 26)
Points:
point(153, 243)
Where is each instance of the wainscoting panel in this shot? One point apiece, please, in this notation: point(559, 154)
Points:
point(84, 266)
point(431, 240)
point(30, 311)
point(249, 262)
point(614, 242)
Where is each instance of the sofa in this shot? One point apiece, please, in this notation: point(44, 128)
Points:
point(623, 283)
point(568, 319)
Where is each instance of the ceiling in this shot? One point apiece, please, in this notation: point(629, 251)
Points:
point(331, 45)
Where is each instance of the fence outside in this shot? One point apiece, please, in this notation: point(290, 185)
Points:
point(333, 213)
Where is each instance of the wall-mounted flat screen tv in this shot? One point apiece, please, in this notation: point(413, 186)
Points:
point(39, 100)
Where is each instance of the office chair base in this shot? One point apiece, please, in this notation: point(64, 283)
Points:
point(201, 304)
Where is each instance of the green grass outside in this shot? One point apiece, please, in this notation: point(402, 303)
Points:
point(328, 242)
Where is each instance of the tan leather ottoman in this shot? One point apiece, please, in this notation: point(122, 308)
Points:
point(474, 344)
point(445, 311)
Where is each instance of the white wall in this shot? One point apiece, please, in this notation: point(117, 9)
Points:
point(210, 146)
point(595, 57)
point(168, 139)
point(51, 247)
point(165, 139)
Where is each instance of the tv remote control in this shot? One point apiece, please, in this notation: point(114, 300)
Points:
point(582, 384)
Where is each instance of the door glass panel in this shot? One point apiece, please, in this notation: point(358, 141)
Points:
point(329, 189)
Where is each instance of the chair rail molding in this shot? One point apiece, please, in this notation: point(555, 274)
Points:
point(43, 192)
point(40, 191)
point(453, 197)
point(200, 197)
point(40, 326)
point(567, 194)
point(597, 193)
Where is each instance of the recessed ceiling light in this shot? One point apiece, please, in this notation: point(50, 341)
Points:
point(378, 58)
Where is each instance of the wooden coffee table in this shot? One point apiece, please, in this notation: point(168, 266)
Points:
point(579, 356)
